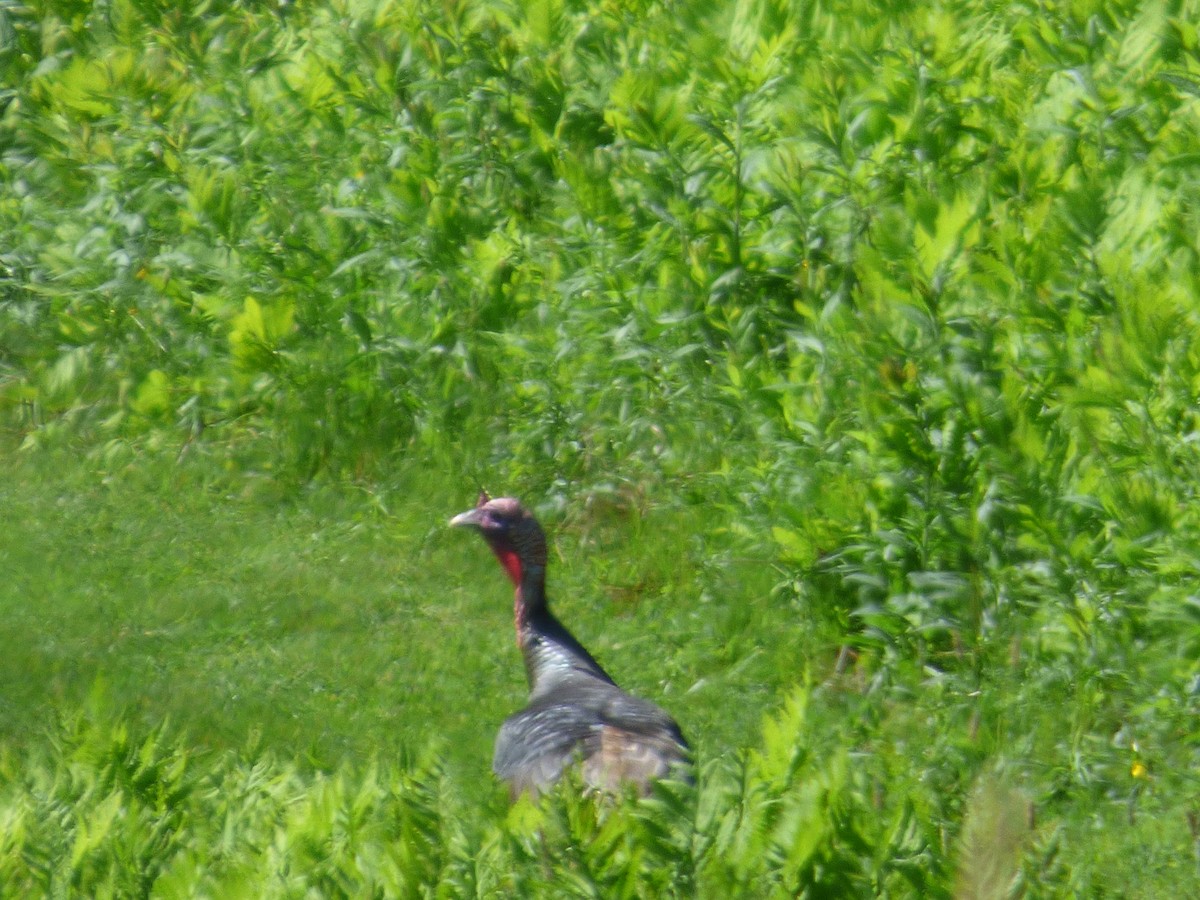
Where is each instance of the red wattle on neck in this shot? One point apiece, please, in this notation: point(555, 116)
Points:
point(511, 562)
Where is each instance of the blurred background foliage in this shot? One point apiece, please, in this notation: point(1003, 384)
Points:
point(892, 306)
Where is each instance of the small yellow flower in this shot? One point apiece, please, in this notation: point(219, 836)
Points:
point(1139, 770)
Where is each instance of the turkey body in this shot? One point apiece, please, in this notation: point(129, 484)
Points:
point(576, 711)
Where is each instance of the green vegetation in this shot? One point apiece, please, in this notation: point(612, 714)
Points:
point(847, 351)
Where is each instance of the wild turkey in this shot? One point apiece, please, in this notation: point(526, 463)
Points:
point(575, 709)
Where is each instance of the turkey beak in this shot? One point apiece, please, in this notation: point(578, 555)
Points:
point(470, 519)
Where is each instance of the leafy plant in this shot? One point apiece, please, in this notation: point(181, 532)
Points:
point(849, 344)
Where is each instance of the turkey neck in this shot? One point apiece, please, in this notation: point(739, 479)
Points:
point(529, 605)
point(552, 654)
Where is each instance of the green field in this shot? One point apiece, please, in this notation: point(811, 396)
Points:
point(848, 353)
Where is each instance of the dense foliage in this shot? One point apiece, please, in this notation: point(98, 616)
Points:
point(849, 347)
